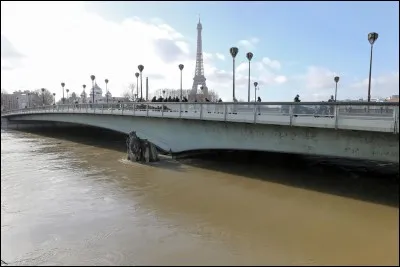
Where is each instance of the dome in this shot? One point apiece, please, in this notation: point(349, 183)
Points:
point(97, 90)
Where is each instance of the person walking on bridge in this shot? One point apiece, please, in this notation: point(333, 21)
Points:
point(331, 107)
point(296, 107)
point(258, 106)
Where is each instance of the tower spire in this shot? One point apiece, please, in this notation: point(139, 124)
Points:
point(199, 79)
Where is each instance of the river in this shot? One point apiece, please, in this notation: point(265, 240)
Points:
point(70, 199)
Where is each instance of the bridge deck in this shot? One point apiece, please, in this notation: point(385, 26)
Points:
point(376, 117)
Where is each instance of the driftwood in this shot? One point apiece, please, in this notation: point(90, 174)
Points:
point(140, 150)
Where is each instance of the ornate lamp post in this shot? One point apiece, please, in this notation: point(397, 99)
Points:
point(106, 81)
point(92, 77)
point(336, 79)
point(255, 91)
point(372, 37)
point(43, 95)
point(29, 100)
point(181, 66)
point(84, 94)
point(249, 56)
point(63, 99)
point(234, 51)
point(17, 103)
point(137, 84)
point(141, 68)
point(54, 98)
point(67, 90)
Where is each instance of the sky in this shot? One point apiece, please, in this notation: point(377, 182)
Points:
point(298, 47)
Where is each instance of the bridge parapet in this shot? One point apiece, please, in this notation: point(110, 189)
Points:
point(378, 117)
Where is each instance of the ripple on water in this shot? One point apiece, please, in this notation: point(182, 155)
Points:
point(82, 204)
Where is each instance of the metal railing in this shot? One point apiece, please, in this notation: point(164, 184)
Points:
point(338, 115)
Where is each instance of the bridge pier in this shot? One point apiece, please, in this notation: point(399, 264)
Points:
point(140, 150)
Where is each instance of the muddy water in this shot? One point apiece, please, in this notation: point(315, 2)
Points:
point(79, 201)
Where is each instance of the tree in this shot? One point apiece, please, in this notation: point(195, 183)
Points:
point(166, 93)
point(128, 94)
point(37, 97)
point(132, 91)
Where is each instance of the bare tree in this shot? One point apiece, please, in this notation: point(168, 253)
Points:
point(166, 93)
point(128, 94)
point(132, 91)
point(37, 97)
point(213, 96)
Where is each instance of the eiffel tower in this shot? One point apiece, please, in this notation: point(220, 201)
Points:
point(199, 79)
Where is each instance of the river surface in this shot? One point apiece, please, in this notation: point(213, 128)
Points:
point(71, 201)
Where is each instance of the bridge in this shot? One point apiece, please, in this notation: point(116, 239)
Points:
point(355, 130)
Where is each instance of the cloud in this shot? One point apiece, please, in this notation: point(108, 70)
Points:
point(46, 43)
point(168, 50)
point(248, 44)
point(207, 56)
point(319, 85)
point(280, 79)
point(220, 56)
point(8, 50)
point(273, 64)
point(10, 57)
point(319, 78)
point(381, 86)
point(267, 71)
point(78, 43)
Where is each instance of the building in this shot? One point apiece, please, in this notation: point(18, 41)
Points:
point(393, 98)
point(98, 96)
point(83, 97)
point(15, 100)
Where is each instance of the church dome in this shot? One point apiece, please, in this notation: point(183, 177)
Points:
point(97, 90)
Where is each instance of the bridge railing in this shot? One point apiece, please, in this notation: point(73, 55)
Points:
point(382, 116)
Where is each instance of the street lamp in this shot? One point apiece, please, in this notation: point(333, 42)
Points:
point(336, 79)
point(106, 80)
point(17, 103)
point(43, 95)
point(234, 51)
point(54, 98)
point(255, 91)
point(249, 56)
point(83, 95)
point(181, 66)
point(29, 100)
point(137, 84)
point(63, 99)
point(67, 95)
point(141, 67)
point(372, 37)
point(92, 77)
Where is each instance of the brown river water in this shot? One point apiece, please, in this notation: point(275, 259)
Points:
point(72, 198)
